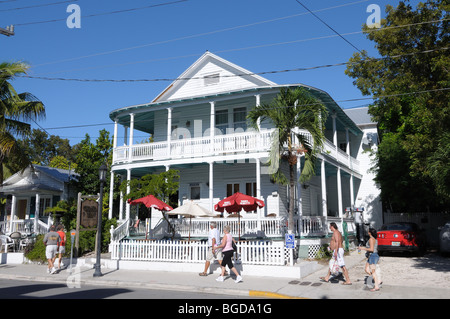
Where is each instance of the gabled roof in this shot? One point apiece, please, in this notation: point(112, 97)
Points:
point(19, 182)
point(223, 73)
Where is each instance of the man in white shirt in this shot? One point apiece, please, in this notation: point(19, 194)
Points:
point(213, 240)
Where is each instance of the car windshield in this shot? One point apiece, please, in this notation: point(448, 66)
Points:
point(399, 226)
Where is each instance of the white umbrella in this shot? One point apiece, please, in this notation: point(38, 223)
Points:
point(190, 210)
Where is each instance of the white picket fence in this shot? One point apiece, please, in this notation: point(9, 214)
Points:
point(249, 252)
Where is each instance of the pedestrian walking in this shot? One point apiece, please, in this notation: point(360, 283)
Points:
point(62, 245)
point(228, 251)
point(372, 258)
point(51, 241)
point(212, 254)
point(338, 252)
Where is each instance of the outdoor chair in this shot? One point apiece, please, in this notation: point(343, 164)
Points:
point(6, 242)
point(24, 242)
point(16, 237)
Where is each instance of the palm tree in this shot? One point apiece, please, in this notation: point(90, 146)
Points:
point(15, 110)
point(291, 110)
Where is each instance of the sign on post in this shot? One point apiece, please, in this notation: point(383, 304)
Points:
point(89, 211)
point(73, 232)
point(290, 241)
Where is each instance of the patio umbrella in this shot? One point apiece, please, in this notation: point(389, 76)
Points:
point(190, 210)
point(151, 201)
point(237, 202)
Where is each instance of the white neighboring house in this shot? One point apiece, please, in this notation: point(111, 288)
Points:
point(368, 194)
point(29, 193)
point(198, 124)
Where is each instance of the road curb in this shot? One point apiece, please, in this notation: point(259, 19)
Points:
point(268, 294)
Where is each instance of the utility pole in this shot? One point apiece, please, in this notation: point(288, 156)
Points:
point(9, 31)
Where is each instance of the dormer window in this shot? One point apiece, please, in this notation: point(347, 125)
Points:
point(212, 79)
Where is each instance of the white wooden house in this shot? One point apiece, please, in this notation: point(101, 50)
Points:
point(29, 193)
point(199, 127)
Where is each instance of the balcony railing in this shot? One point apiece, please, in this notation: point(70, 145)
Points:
point(220, 145)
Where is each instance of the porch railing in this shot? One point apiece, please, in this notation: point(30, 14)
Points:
point(250, 141)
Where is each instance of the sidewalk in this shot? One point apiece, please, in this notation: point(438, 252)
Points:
point(254, 286)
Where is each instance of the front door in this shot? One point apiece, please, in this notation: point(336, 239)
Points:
point(21, 208)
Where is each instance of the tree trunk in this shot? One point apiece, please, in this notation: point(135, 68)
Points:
point(291, 199)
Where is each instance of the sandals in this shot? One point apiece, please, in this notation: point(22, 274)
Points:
point(203, 274)
point(323, 279)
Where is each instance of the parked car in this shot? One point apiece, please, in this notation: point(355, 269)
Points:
point(401, 237)
point(444, 239)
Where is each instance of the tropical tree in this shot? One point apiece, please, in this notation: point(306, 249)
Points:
point(410, 83)
point(299, 119)
point(15, 110)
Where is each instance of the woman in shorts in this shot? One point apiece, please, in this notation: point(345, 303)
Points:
point(372, 260)
point(227, 251)
point(62, 245)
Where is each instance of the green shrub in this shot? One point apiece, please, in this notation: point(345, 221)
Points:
point(323, 253)
point(36, 250)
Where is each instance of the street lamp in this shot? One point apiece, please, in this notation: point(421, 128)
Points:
point(102, 177)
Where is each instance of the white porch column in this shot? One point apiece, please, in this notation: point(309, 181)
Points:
point(116, 124)
point(127, 211)
point(339, 189)
point(36, 212)
point(121, 202)
point(13, 212)
point(130, 143)
point(169, 130)
point(352, 196)
point(258, 103)
point(324, 188)
point(258, 192)
point(299, 197)
point(211, 186)
point(212, 125)
point(347, 141)
point(333, 116)
point(111, 194)
point(125, 135)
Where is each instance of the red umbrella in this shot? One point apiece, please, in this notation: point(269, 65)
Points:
point(151, 201)
point(236, 202)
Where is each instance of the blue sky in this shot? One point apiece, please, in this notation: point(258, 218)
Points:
point(162, 41)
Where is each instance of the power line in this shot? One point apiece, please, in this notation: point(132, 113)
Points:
point(37, 6)
point(224, 51)
point(328, 25)
point(199, 34)
point(231, 75)
point(287, 106)
point(105, 13)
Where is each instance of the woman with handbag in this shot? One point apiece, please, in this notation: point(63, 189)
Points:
point(227, 251)
point(372, 258)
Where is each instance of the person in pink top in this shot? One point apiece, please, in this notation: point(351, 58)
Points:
point(227, 251)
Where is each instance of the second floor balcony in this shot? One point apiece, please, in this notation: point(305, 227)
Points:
point(242, 145)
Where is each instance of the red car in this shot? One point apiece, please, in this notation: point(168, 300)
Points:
point(401, 236)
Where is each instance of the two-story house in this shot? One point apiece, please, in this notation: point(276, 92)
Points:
point(198, 124)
